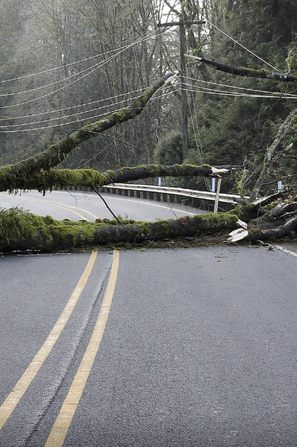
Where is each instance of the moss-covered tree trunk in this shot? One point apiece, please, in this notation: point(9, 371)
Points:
point(25, 231)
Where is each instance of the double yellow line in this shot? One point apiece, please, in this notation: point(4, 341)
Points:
point(63, 421)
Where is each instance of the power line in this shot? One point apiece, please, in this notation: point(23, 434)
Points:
point(238, 94)
point(241, 88)
point(75, 106)
point(92, 69)
point(66, 116)
point(78, 120)
point(163, 95)
point(242, 46)
point(127, 100)
point(205, 90)
point(63, 66)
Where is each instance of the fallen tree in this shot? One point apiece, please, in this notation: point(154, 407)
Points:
point(20, 230)
point(25, 231)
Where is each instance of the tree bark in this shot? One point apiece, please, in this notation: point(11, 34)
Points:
point(24, 231)
point(271, 234)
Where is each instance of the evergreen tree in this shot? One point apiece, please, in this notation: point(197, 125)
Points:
point(239, 129)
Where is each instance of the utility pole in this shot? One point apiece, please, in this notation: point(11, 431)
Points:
point(182, 23)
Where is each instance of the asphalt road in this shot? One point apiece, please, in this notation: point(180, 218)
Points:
point(171, 348)
point(76, 205)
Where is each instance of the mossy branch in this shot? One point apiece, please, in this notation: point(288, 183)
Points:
point(22, 172)
point(244, 71)
point(63, 178)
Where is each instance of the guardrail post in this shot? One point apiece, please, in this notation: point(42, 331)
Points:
point(216, 205)
point(213, 185)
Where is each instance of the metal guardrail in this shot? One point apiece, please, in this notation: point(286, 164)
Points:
point(198, 199)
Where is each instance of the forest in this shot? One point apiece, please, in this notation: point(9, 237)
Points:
point(67, 65)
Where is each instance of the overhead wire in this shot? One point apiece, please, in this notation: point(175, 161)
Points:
point(91, 70)
point(189, 87)
point(51, 84)
point(73, 114)
point(276, 94)
point(211, 91)
point(4, 129)
point(220, 92)
point(97, 109)
point(234, 94)
point(241, 45)
point(63, 66)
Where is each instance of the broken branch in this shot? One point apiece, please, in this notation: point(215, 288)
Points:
point(243, 71)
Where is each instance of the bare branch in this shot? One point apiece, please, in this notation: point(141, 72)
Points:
point(172, 9)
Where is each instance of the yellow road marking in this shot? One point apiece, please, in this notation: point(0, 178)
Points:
point(65, 207)
point(61, 426)
point(22, 385)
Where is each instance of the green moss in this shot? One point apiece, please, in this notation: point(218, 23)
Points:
point(81, 177)
point(211, 221)
point(111, 174)
point(17, 223)
point(206, 166)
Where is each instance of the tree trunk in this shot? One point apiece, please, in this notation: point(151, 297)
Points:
point(25, 231)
